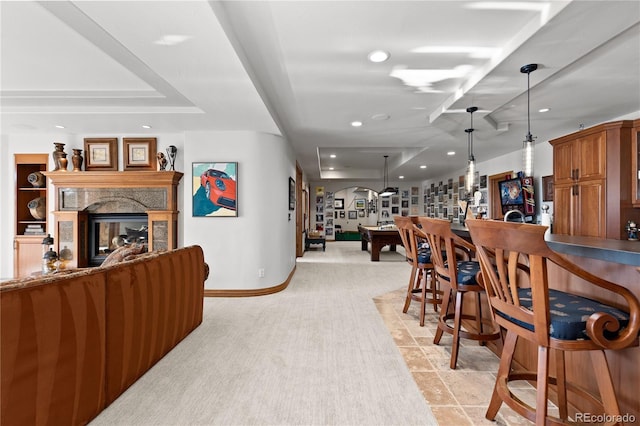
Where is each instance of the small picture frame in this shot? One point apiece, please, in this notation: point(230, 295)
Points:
point(360, 203)
point(338, 203)
point(292, 194)
point(140, 153)
point(101, 154)
point(353, 214)
point(547, 188)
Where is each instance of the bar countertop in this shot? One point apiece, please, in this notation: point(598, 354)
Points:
point(618, 251)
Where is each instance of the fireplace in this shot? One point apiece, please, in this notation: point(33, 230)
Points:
point(96, 211)
point(108, 231)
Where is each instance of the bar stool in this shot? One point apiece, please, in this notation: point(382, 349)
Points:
point(422, 284)
point(451, 257)
point(550, 319)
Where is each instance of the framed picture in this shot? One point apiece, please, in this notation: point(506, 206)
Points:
point(353, 214)
point(338, 203)
point(547, 188)
point(101, 154)
point(360, 204)
point(215, 189)
point(292, 193)
point(341, 214)
point(140, 153)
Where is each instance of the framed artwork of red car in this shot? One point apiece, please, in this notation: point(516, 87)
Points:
point(215, 190)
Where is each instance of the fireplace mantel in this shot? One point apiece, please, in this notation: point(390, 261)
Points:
point(114, 179)
point(78, 195)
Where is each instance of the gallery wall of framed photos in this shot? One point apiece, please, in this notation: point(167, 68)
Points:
point(439, 199)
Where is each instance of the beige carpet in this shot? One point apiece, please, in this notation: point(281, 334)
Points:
point(318, 353)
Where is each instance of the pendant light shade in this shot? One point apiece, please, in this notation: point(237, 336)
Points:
point(385, 184)
point(470, 178)
point(528, 144)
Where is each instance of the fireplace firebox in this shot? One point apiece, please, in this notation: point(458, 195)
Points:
point(109, 231)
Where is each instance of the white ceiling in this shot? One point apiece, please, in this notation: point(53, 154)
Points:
point(300, 69)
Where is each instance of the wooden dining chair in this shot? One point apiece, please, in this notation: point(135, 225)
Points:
point(422, 284)
point(456, 271)
point(529, 307)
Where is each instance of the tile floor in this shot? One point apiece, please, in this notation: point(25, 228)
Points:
point(457, 397)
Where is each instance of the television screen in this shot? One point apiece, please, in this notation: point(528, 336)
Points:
point(511, 195)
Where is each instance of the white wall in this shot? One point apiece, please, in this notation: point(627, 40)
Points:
point(262, 236)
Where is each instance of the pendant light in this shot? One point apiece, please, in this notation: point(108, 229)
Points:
point(527, 145)
point(385, 184)
point(470, 182)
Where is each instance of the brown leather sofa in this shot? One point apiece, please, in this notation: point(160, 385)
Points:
point(71, 343)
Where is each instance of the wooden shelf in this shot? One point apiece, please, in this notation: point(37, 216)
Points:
point(114, 179)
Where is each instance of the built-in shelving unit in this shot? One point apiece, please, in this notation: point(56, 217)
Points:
point(30, 223)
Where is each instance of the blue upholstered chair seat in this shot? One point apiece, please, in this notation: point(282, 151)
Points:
point(569, 314)
point(424, 255)
point(467, 271)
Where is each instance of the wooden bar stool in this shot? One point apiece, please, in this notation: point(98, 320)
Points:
point(454, 267)
point(422, 284)
point(550, 319)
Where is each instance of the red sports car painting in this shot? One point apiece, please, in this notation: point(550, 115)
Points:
point(219, 188)
point(215, 189)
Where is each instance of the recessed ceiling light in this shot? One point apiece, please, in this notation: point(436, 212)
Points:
point(356, 123)
point(146, 126)
point(423, 167)
point(59, 126)
point(543, 110)
point(332, 156)
point(330, 168)
point(378, 56)
point(400, 177)
point(451, 153)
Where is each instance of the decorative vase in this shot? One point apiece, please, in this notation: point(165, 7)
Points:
point(37, 179)
point(57, 154)
point(38, 208)
point(76, 160)
point(172, 151)
point(64, 162)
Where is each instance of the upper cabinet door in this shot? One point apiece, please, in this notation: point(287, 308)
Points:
point(592, 157)
point(564, 163)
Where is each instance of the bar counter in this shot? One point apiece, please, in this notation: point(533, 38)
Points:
point(623, 252)
point(617, 261)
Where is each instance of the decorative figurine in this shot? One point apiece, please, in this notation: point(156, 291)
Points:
point(162, 161)
point(632, 231)
point(171, 153)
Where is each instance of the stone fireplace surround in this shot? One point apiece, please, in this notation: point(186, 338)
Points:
point(81, 194)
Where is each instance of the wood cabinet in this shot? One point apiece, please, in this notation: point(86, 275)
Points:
point(31, 212)
point(592, 189)
point(635, 164)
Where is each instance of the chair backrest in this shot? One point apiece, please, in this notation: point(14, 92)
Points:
point(445, 245)
point(405, 229)
point(515, 255)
